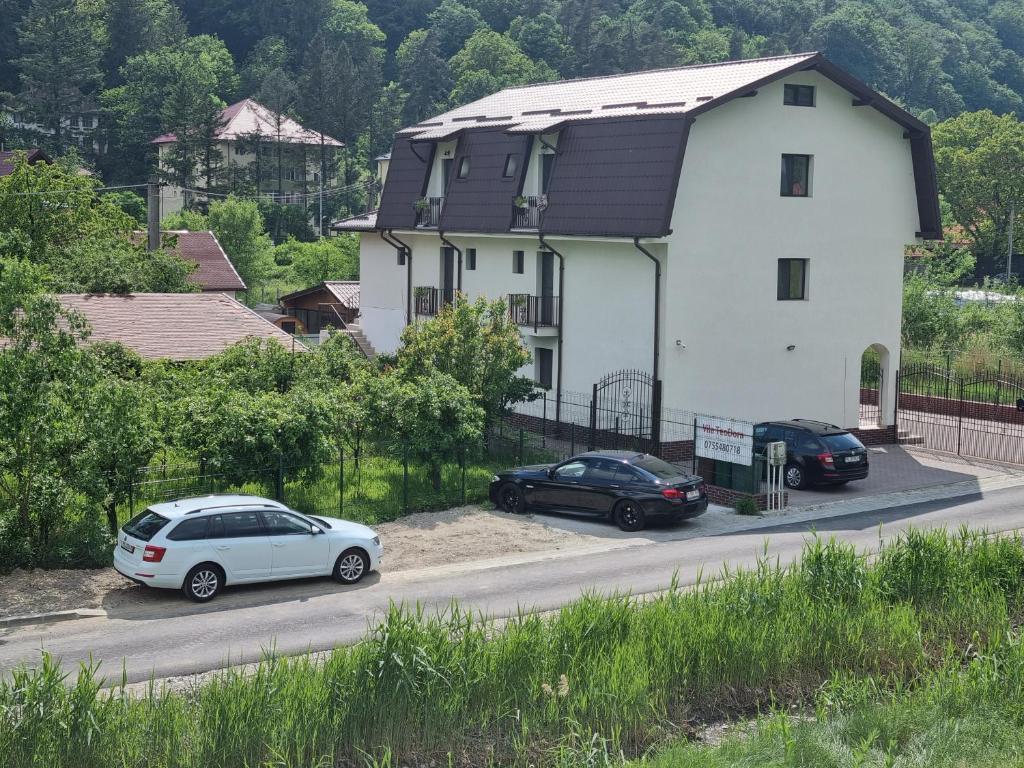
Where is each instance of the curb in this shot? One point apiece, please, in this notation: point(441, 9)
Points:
point(52, 617)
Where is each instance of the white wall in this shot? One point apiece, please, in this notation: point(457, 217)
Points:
point(731, 226)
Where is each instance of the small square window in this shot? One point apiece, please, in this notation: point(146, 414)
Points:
point(517, 262)
point(510, 167)
point(796, 176)
point(401, 257)
point(471, 258)
point(463, 167)
point(542, 369)
point(798, 95)
point(792, 279)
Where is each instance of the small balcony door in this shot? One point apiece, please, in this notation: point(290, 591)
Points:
point(447, 275)
point(546, 285)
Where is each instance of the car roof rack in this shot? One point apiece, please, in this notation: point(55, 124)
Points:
point(230, 506)
point(819, 423)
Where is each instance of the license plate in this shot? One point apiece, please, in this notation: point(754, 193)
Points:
point(129, 548)
point(852, 459)
point(694, 494)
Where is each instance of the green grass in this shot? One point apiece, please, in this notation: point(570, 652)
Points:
point(604, 676)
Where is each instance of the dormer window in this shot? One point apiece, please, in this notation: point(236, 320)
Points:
point(798, 95)
point(510, 167)
point(463, 168)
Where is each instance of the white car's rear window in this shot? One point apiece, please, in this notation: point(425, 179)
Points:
point(145, 525)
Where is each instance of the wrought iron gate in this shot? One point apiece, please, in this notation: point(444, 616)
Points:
point(625, 409)
point(980, 416)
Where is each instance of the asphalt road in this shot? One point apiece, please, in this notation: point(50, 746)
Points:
point(170, 637)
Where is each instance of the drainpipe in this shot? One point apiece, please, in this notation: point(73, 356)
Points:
point(398, 245)
point(561, 322)
point(457, 250)
point(657, 301)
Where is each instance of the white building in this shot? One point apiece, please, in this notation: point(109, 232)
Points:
point(247, 145)
point(773, 198)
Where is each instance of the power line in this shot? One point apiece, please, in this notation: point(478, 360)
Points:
point(94, 190)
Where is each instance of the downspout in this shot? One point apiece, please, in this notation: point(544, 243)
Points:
point(657, 301)
point(398, 245)
point(561, 322)
point(457, 250)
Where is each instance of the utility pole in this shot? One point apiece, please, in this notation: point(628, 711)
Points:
point(153, 215)
point(1009, 252)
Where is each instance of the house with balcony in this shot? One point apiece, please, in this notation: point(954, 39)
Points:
point(259, 151)
point(734, 230)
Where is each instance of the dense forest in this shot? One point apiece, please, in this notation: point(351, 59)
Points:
point(359, 71)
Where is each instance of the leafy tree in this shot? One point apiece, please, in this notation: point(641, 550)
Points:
point(238, 226)
point(855, 37)
point(131, 203)
point(59, 63)
point(256, 366)
point(332, 258)
point(929, 314)
point(453, 24)
point(477, 345)
point(423, 75)
point(135, 26)
point(542, 39)
point(490, 61)
point(279, 94)
point(978, 156)
point(269, 54)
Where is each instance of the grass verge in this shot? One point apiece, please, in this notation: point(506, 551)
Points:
point(603, 676)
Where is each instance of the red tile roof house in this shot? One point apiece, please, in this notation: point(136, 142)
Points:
point(215, 272)
point(250, 131)
point(7, 159)
point(174, 326)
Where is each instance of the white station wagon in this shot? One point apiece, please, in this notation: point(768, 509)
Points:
point(198, 545)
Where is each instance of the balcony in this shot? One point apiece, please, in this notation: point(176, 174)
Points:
point(536, 312)
point(526, 211)
point(428, 212)
point(429, 300)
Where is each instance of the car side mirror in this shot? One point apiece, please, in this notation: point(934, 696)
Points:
point(314, 531)
point(551, 474)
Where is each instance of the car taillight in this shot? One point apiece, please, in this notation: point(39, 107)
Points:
point(153, 554)
point(827, 460)
point(671, 493)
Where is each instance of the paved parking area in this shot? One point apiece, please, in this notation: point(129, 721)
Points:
point(903, 468)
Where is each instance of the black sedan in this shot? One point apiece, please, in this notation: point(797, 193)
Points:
point(623, 486)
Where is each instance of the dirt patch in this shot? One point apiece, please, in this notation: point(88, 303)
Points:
point(422, 540)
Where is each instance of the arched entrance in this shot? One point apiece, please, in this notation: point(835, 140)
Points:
point(874, 400)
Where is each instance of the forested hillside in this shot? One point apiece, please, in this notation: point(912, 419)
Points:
point(357, 72)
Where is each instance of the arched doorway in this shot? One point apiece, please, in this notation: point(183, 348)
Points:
point(874, 400)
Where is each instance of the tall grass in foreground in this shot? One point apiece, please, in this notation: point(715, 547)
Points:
point(966, 713)
point(605, 674)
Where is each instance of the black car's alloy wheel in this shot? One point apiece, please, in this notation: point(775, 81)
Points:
point(510, 497)
point(629, 516)
point(794, 477)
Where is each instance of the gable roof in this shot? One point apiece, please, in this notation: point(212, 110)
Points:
point(215, 271)
point(173, 326)
point(7, 159)
point(345, 292)
point(680, 92)
point(247, 118)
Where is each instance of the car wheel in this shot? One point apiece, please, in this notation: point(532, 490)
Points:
point(629, 516)
point(351, 566)
point(203, 583)
point(511, 499)
point(794, 477)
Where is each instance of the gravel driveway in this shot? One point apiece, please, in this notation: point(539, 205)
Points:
point(418, 541)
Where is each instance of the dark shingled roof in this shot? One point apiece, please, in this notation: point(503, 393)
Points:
point(616, 177)
point(33, 156)
point(407, 181)
point(482, 202)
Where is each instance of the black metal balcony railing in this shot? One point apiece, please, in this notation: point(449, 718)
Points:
point(430, 301)
point(527, 216)
point(428, 211)
point(534, 311)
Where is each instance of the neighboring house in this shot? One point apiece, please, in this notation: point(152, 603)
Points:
point(331, 304)
point(7, 159)
point(173, 326)
point(78, 128)
point(247, 143)
point(215, 273)
point(735, 230)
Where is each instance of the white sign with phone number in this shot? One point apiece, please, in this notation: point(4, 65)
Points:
point(725, 440)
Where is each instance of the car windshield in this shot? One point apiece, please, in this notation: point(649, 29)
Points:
point(655, 466)
point(843, 442)
point(145, 525)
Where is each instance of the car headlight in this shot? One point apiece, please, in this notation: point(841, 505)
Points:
point(495, 479)
point(376, 540)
